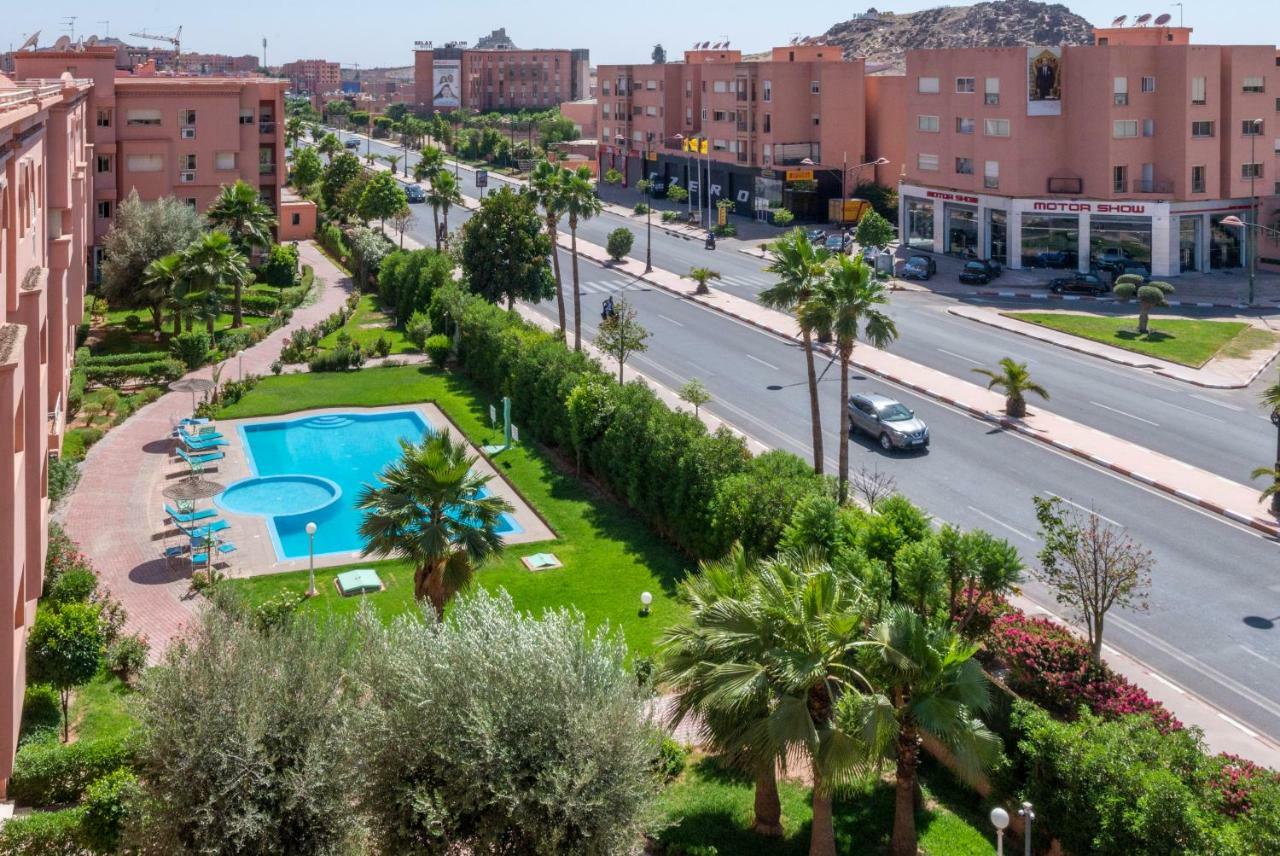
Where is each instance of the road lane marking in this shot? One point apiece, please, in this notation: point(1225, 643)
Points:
point(958, 356)
point(1229, 721)
point(1186, 409)
point(761, 362)
point(999, 522)
point(670, 320)
point(1215, 403)
point(1085, 510)
point(1264, 658)
point(1124, 413)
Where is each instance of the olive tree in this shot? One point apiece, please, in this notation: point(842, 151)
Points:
point(621, 335)
point(140, 233)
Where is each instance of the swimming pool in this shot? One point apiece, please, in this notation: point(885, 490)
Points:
point(312, 469)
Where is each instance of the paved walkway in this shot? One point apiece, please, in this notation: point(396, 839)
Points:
point(112, 514)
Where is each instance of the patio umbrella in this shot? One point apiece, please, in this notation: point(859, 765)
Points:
point(192, 489)
point(192, 385)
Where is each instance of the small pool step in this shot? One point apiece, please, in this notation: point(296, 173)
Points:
point(328, 421)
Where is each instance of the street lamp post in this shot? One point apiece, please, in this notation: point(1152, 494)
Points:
point(311, 559)
point(844, 175)
point(1000, 820)
point(648, 223)
point(1235, 222)
point(1255, 129)
point(1028, 815)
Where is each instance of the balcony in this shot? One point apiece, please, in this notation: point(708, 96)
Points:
point(1068, 185)
point(1150, 185)
point(266, 169)
point(1121, 99)
point(266, 129)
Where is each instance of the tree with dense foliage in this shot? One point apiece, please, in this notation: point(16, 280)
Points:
point(873, 231)
point(800, 266)
point(211, 263)
point(847, 304)
point(163, 277)
point(246, 738)
point(1150, 296)
point(65, 650)
point(578, 195)
point(342, 169)
point(619, 243)
point(694, 392)
point(329, 145)
point(408, 279)
point(368, 248)
point(140, 233)
point(702, 276)
point(545, 183)
point(431, 508)
point(1015, 380)
point(293, 127)
point(442, 194)
point(382, 198)
point(978, 566)
point(658, 55)
point(621, 335)
point(307, 169)
point(504, 250)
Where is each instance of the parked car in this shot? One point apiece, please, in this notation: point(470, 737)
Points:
point(816, 236)
point(893, 424)
point(414, 193)
point(919, 267)
point(1060, 259)
point(1079, 283)
point(1112, 258)
point(351, 143)
point(1130, 266)
point(976, 273)
point(837, 244)
point(869, 256)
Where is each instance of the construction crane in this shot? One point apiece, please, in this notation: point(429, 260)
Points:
point(175, 40)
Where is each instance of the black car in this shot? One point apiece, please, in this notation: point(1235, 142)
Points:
point(816, 236)
point(351, 143)
point(414, 193)
point(1078, 283)
point(1135, 268)
point(919, 267)
point(1055, 259)
point(975, 273)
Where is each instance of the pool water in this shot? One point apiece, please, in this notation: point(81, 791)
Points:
point(313, 468)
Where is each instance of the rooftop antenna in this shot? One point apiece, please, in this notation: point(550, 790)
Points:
point(1163, 19)
point(1142, 19)
point(1119, 21)
point(106, 32)
point(1179, 5)
point(69, 23)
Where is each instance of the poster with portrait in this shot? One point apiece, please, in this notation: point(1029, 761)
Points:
point(446, 83)
point(1044, 81)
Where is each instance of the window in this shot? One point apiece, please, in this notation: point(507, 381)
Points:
point(767, 87)
point(1148, 127)
point(991, 91)
point(604, 87)
point(604, 111)
point(1124, 128)
point(814, 87)
point(995, 127)
point(720, 86)
point(1251, 170)
point(191, 202)
point(688, 89)
point(964, 166)
point(296, 219)
point(991, 174)
point(927, 162)
point(817, 119)
point(1119, 178)
point(1202, 129)
point(104, 163)
point(227, 160)
point(104, 209)
point(651, 85)
point(719, 116)
point(651, 110)
point(604, 134)
point(1197, 179)
point(965, 126)
point(965, 84)
point(768, 122)
point(145, 163)
point(927, 123)
point(1120, 91)
point(142, 117)
point(188, 162)
point(1251, 127)
point(1254, 84)
point(104, 118)
point(1148, 84)
point(720, 145)
point(1198, 90)
point(186, 118)
point(927, 85)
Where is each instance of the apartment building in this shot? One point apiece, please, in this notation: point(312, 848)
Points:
point(1138, 145)
point(312, 76)
point(45, 229)
point(171, 135)
point(791, 130)
point(206, 63)
point(482, 79)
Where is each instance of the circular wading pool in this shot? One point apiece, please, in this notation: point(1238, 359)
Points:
point(278, 496)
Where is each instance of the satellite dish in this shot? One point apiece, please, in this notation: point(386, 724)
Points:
point(62, 43)
point(1142, 19)
point(91, 41)
point(31, 41)
point(1163, 19)
point(1119, 21)
point(726, 44)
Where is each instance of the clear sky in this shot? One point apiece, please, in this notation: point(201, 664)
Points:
point(382, 33)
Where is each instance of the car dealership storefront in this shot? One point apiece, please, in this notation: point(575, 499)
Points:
point(1167, 237)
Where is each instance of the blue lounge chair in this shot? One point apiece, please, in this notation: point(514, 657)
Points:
point(203, 531)
point(203, 558)
point(201, 433)
point(189, 516)
point(202, 444)
point(198, 460)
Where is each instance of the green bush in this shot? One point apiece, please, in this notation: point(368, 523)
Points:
point(338, 359)
point(418, 329)
point(754, 506)
point(438, 348)
point(41, 714)
point(641, 208)
point(191, 348)
point(75, 586)
point(106, 806)
point(232, 342)
point(156, 371)
point(782, 217)
point(281, 266)
point(123, 359)
point(45, 833)
point(49, 772)
point(127, 657)
point(84, 440)
point(672, 756)
point(619, 243)
point(64, 475)
point(75, 391)
point(670, 216)
point(382, 347)
point(260, 304)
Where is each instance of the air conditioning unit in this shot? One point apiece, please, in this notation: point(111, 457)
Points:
point(187, 176)
point(188, 133)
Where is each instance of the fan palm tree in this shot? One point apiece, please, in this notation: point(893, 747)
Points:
point(211, 262)
point(578, 196)
point(547, 182)
point(392, 161)
point(1015, 380)
point(430, 164)
point(431, 508)
point(329, 146)
point(248, 221)
point(293, 128)
point(441, 196)
point(1271, 399)
point(800, 266)
point(927, 684)
point(846, 302)
point(163, 278)
point(702, 275)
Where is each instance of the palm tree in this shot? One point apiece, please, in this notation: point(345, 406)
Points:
point(209, 263)
point(547, 183)
point(847, 300)
point(431, 508)
point(927, 684)
point(702, 275)
point(1015, 380)
point(441, 195)
point(248, 221)
point(392, 161)
point(430, 164)
point(318, 133)
point(292, 131)
point(329, 146)
point(580, 203)
point(1150, 295)
point(1271, 398)
point(799, 266)
point(163, 278)
point(702, 660)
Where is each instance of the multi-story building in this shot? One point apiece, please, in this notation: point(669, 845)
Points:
point(453, 76)
point(1136, 146)
point(200, 63)
point(790, 130)
point(171, 135)
point(45, 200)
point(312, 76)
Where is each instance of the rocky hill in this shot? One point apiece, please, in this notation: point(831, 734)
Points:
point(884, 37)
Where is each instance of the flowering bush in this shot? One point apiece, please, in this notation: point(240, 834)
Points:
point(1235, 779)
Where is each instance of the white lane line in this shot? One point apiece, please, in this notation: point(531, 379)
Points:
point(1000, 522)
point(1216, 403)
point(1186, 409)
point(958, 356)
point(1229, 721)
point(1124, 413)
point(670, 320)
point(761, 362)
point(1170, 684)
point(1085, 510)
point(1263, 657)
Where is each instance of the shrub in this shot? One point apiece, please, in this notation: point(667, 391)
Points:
point(782, 217)
point(728, 230)
point(123, 359)
point(260, 304)
point(75, 391)
point(438, 348)
point(641, 208)
point(49, 772)
point(281, 267)
point(619, 243)
point(670, 216)
point(276, 611)
point(276, 367)
point(75, 586)
point(417, 329)
point(45, 833)
point(191, 348)
point(64, 475)
point(382, 347)
point(672, 756)
point(41, 714)
point(127, 656)
point(338, 359)
point(754, 505)
point(61, 555)
point(106, 805)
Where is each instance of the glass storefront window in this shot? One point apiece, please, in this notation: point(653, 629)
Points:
point(768, 193)
point(1188, 243)
point(919, 224)
point(1120, 237)
point(1224, 244)
point(1050, 242)
point(998, 233)
point(962, 229)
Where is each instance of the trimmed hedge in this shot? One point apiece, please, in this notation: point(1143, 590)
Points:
point(45, 833)
point(49, 772)
point(120, 359)
point(156, 371)
point(259, 304)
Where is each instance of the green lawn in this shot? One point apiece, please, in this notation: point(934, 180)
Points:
point(100, 709)
point(609, 557)
point(1189, 341)
point(366, 324)
point(118, 338)
point(712, 806)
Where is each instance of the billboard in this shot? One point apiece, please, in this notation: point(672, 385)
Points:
point(1044, 81)
point(446, 83)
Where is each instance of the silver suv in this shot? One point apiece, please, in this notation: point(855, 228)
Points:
point(892, 423)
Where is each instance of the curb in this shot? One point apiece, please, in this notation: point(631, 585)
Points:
point(1035, 295)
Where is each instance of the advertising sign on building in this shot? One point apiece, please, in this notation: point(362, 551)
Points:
point(446, 83)
point(1044, 81)
point(799, 175)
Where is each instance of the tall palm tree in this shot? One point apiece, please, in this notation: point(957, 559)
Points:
point(431, 508)
point(441, 196)
point(248, 221)
point(547, 183)
point(580, 203)
point(1015, 380)
point(847, 301)
point(927, 684)
point(430, 164)
point(702, 275)
point(703, 660)
point(800, 266)
point(292, 131)
point(211, 262)
point(1271, 399)
point(163, 278)
point(329, 146)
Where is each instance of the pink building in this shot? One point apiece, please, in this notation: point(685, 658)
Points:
point(312, 76)
point(454, 76)
point(582, 114)
point(1135, 147)
point(45, 230)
